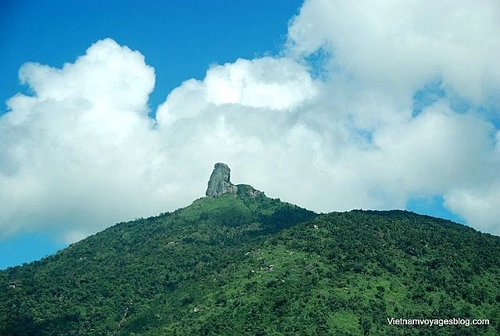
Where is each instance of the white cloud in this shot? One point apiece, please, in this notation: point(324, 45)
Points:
point(381, 54)
point(81, 153)
point(77, 154)
point(269, 83)
point(480, 206)
point(398, 45)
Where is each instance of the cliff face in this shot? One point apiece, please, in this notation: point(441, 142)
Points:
point(220, 181)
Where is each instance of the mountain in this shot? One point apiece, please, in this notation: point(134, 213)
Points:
point(240, 263)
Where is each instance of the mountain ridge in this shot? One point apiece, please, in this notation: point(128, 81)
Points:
point(243, 263)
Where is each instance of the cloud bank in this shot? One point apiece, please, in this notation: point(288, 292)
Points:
point(367, 107)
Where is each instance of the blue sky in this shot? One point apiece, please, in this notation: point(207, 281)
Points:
point(180, 39)
point(124, 106)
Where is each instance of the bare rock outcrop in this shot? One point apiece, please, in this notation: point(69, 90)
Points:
point(220, 181)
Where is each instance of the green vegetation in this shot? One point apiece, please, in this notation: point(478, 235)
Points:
point(249, 265)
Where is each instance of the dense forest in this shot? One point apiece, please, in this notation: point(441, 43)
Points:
point(245, 264)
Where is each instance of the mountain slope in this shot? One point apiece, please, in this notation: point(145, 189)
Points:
point(246, 264)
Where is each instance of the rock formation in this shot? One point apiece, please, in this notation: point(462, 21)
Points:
point(220, 182)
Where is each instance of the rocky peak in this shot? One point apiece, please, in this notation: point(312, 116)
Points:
point(220, 181)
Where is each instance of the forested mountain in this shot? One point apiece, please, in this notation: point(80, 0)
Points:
point(244, 264)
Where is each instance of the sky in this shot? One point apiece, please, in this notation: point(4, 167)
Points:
point(117, 110)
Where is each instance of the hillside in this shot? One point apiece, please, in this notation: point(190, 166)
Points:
point(245, 264)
